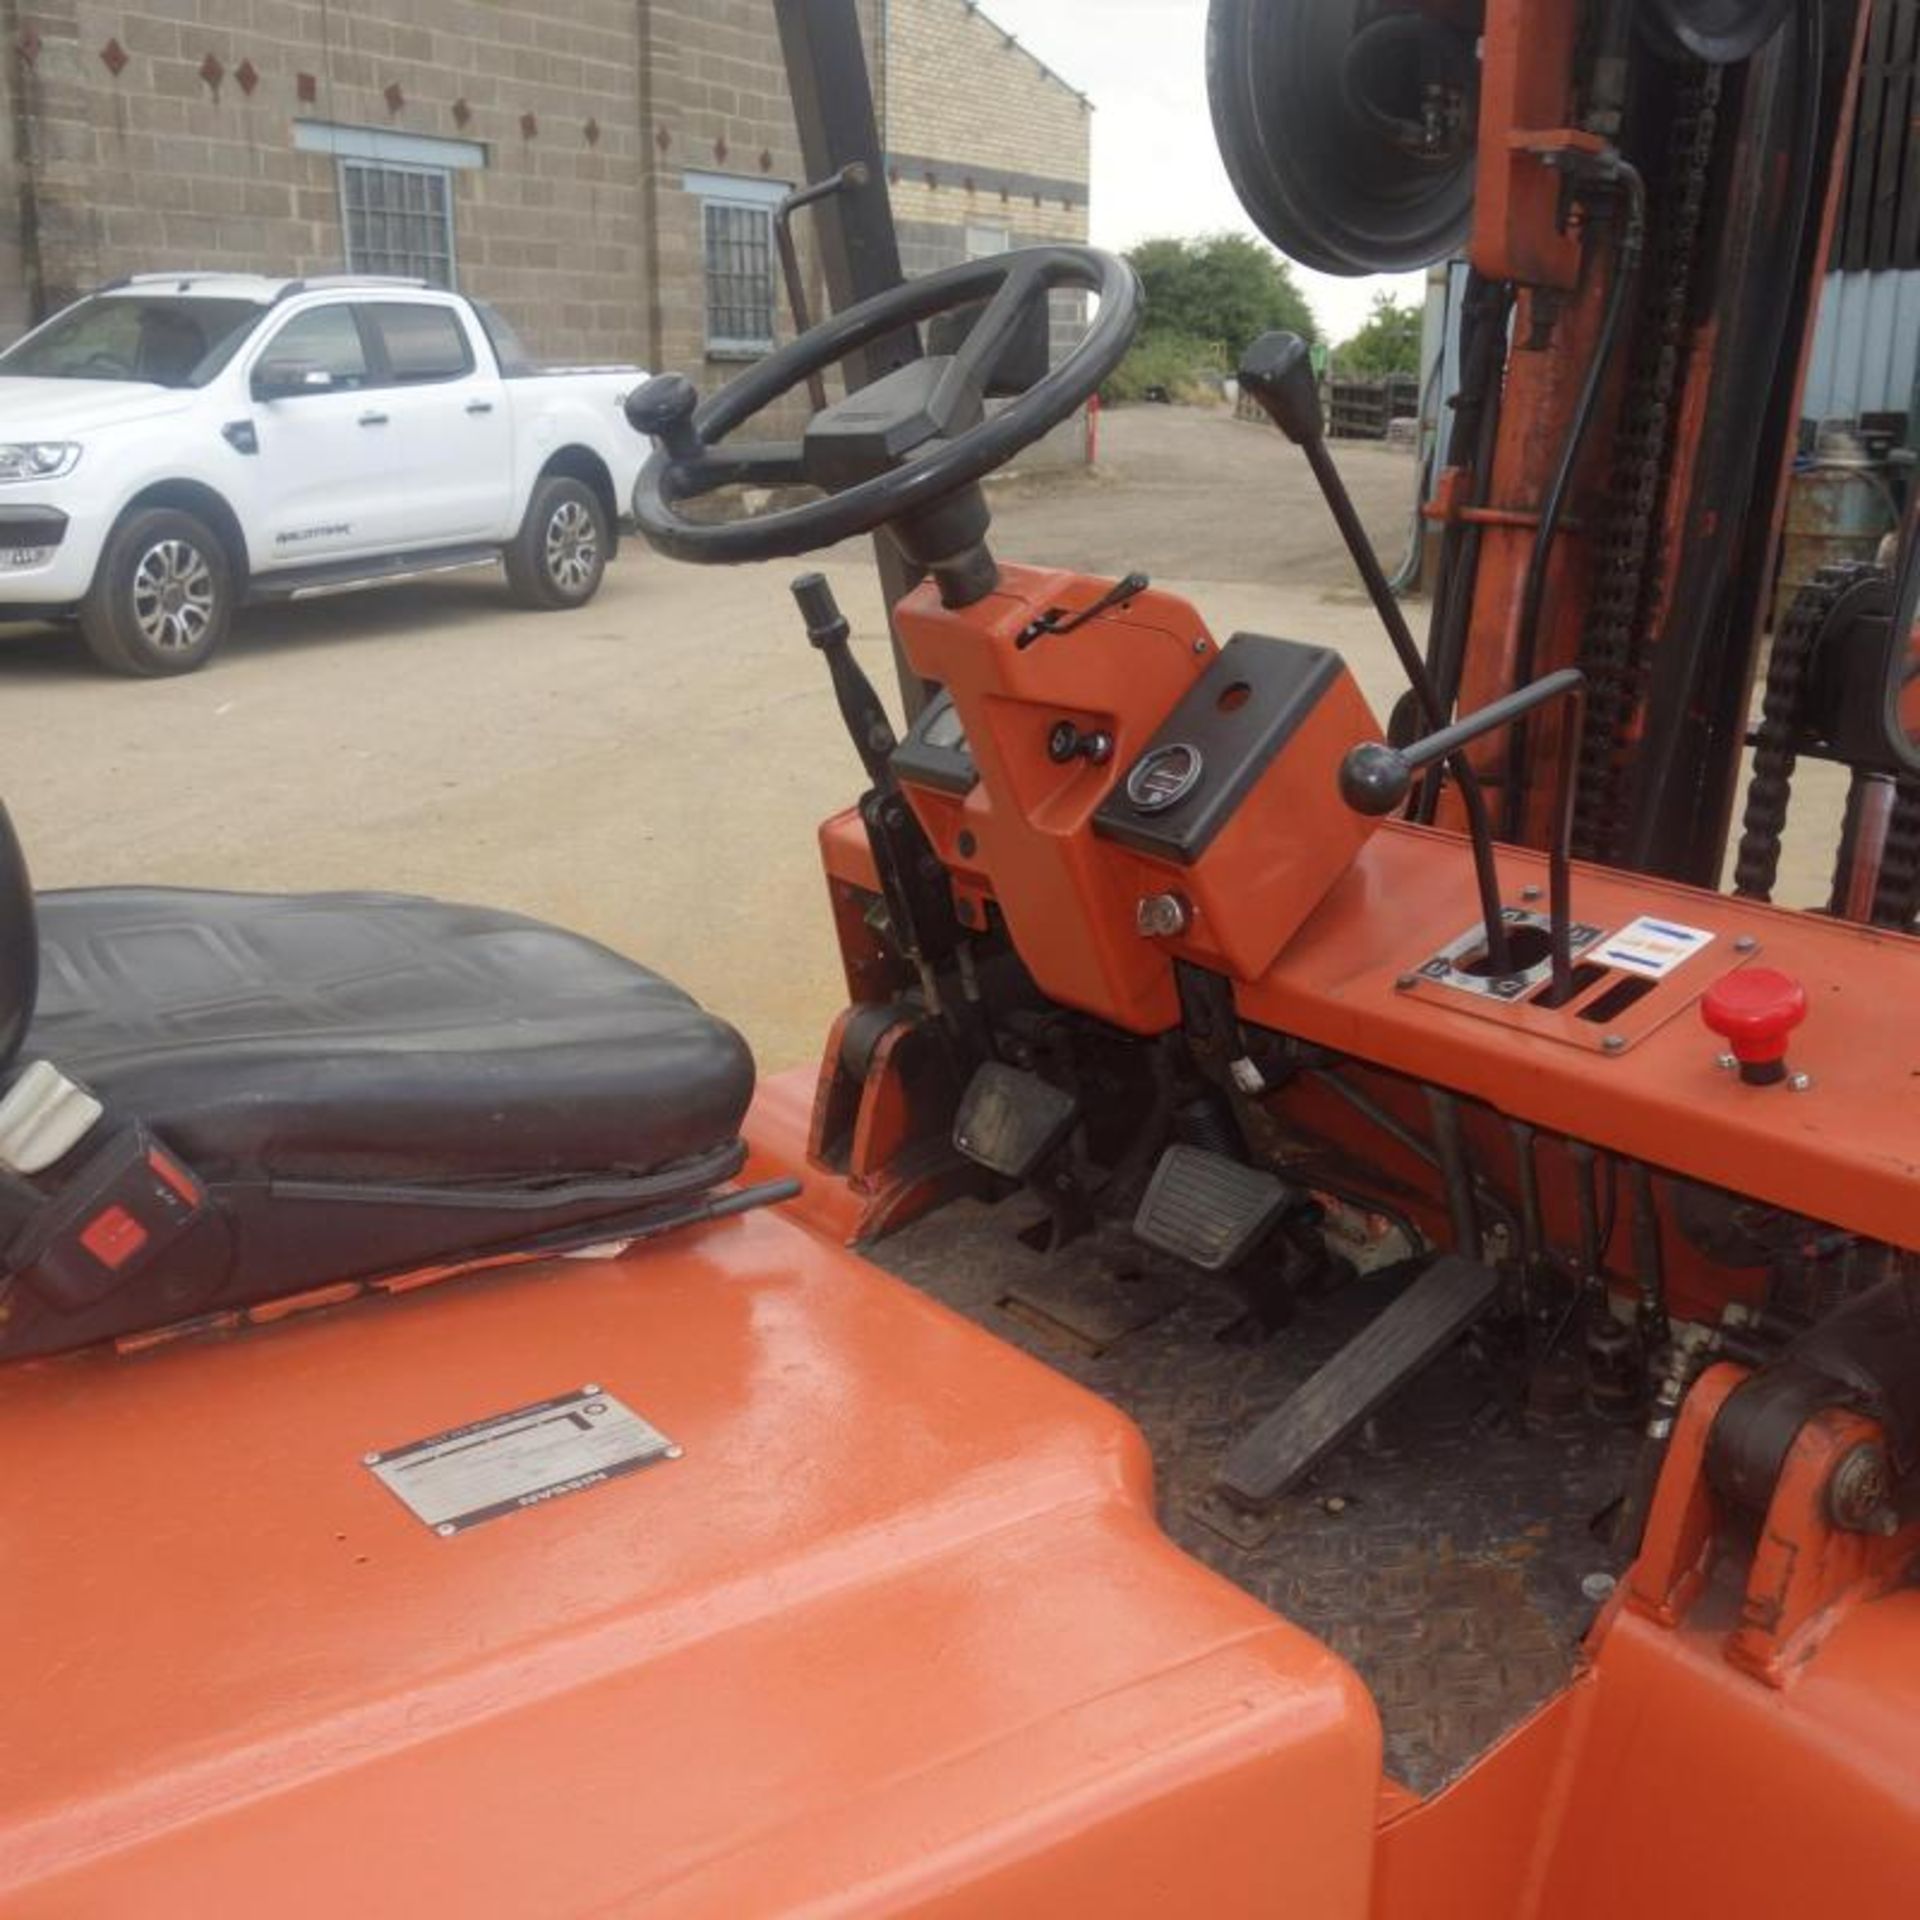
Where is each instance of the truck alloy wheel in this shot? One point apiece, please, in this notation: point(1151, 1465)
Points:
point(558, 558)
point(573, 547)
point(162, 596)
point(173, 595)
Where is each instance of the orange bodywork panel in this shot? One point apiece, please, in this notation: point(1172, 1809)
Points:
point(1648, 1084)
point(896, 1631)
point(1026, 835)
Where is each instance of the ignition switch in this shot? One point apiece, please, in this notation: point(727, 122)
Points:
point(1066, 742)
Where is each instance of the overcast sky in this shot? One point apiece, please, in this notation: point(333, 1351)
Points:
point(1155, 168)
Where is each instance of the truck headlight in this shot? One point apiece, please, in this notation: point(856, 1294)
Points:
point(38, 459)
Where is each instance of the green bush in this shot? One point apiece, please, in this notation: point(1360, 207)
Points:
point(1172, 366)
point(1220, 286)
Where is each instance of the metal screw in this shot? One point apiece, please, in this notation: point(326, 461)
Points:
point(1746, 944)
point(446, 1529)
point(1859, 1494)
point(1199, 646)
point(369, 1459)
point(590, 1387)
point(1614, 1043)
point(1162, 916)
point(1530, 893)
point(675, 1453)
point(1598, 1586)
point(1726, 1062)
point(1406, 983)
point(1801, 1083)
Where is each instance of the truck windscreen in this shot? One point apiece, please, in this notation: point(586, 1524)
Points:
point(171, 340)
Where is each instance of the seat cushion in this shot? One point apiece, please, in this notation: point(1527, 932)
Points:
point(359, 1036)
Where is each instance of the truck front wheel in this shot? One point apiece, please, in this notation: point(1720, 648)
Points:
point(559, 556)
point(163, 597)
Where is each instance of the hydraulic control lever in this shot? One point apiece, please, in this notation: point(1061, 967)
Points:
point(866, 719)
point(1278, 371)
point(1376, 778)
point(912, 881)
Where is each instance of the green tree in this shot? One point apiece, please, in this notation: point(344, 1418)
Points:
point(1222, 288)
point(1388, 343)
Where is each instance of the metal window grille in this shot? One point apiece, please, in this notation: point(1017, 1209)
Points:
point(398, 220)
point(739, 277)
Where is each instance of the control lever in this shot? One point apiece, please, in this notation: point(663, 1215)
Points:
point(853, 174)
point(1376, 778)
point(913, 883)
point(1059, 620)
point(866, 719)
point(1278, 371)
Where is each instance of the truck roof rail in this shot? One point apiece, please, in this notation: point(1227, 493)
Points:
point(314, 281)
point(186, 273)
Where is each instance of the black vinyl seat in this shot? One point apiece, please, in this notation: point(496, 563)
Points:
point(362, 1082)
point(364, 1036)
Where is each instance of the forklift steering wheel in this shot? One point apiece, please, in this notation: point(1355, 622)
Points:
point(891, 450)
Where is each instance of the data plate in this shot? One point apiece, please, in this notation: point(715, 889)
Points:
point(525, 1458)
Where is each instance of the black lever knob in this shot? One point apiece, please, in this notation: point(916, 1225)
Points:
point(1375, 779)
point(826, 624)
point(866, 719)
point(664, 407)
point(1278, 371)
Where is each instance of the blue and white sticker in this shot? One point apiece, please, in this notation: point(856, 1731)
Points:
point(1652, 948)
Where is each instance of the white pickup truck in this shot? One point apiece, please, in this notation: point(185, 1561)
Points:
point(178, 443)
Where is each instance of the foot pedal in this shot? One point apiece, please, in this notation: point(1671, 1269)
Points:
point(1373, 1366)
point(1009, 1121)
point(1208, 1210)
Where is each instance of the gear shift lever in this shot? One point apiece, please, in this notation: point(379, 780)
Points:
point(1278, 371)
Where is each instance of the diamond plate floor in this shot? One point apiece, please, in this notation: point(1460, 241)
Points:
point(1441, 1550)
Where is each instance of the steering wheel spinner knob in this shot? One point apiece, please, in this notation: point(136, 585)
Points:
point(663, 408)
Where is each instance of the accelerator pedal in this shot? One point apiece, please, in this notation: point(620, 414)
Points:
point(1208, 1210)
point(1010, 1122)
point(1369, 1370)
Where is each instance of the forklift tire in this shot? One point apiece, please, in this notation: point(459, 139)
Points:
point(162, 599)
point(559, 557)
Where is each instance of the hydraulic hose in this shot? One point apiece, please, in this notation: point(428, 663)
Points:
point(1633, 240)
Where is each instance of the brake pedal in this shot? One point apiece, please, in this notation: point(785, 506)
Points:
point(1009, 1122)
point(1370, 1369)
point(1207, 1210)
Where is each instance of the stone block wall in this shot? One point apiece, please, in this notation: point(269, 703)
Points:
point(160, 134)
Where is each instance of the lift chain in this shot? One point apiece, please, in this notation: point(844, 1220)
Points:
point(1616, 646)
point(1776, 739)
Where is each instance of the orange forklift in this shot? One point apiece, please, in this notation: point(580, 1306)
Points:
point(1338, 1331)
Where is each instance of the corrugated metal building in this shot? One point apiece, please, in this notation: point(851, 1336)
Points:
point(1866, 356)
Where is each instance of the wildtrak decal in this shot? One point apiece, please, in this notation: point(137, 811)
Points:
point(295, 536)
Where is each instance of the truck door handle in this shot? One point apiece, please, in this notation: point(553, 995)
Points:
point(373, 419)
point(479, 406)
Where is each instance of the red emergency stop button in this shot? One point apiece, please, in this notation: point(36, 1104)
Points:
point(1756, 1011)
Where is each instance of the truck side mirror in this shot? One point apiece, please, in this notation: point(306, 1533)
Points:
point(285, 379)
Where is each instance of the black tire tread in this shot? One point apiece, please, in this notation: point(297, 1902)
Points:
point(524, 556)
point(104, 619)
